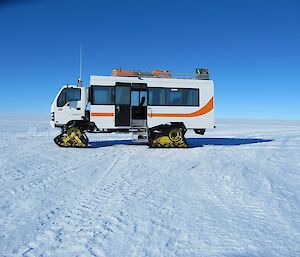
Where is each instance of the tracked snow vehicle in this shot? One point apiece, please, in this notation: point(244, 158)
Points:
point(156, 107)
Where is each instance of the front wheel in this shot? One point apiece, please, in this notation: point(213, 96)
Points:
point(72, 137)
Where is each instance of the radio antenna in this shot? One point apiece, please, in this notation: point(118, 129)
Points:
point(80, 68)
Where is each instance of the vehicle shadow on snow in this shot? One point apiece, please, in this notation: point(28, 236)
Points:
point(192, 142)
point(199, 142)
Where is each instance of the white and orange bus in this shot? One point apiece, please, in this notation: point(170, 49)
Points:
point(157, 108)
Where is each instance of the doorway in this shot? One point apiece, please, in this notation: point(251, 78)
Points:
point(122, 104)
point(139, 101)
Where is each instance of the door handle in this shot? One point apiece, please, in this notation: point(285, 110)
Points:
point(78, 108)
point(150, 111)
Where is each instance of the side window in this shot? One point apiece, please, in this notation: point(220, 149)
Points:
point(68, 95)
point(157, 96)
point(190, 97)
point(103, 95)
point(174, 96)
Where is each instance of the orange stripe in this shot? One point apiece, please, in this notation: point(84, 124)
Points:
point(205, 109)
point(102, 114)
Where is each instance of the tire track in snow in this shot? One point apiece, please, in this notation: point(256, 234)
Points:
point(107, 220)
point(66, 218)
point(51, 210)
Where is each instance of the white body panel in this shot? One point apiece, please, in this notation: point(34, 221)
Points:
point(103, 122)
point(194, 117)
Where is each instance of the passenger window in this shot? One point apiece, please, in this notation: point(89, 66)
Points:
point(174, 96)
point(190, 97)
point(102, 95)
point(157, 96)
point(68, 95)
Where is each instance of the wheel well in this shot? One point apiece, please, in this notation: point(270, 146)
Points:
point(81, 124)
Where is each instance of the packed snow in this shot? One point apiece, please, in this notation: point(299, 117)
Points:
point(235, 192)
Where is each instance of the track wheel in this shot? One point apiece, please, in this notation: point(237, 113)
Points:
point(177, 138)
point(175, 135)
point(73, 137)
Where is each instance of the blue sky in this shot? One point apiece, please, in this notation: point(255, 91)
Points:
point(252, 49)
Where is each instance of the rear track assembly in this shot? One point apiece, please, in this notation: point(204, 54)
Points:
point(167, 136)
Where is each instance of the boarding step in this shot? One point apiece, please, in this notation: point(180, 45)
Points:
point(139, 134)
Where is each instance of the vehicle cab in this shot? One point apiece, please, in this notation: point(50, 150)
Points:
point(69, 104)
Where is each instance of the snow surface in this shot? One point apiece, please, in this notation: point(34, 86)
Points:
point(236, 192)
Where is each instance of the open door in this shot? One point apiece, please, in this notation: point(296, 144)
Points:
point(122, 104)
point(139, 100)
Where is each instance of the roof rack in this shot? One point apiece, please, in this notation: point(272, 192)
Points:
point(202, 74)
